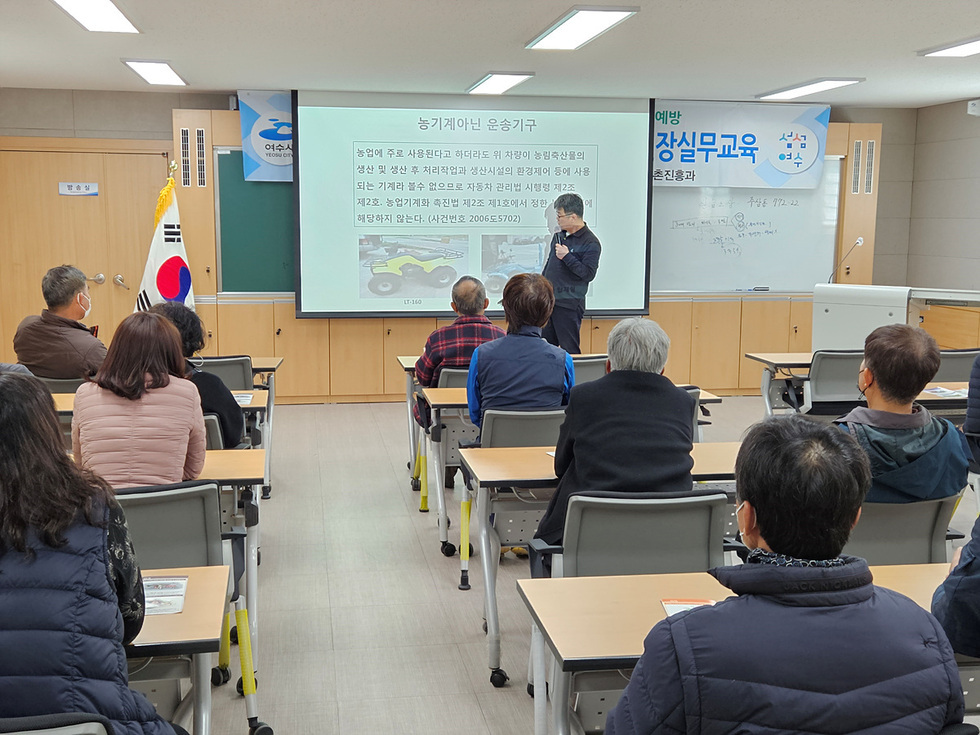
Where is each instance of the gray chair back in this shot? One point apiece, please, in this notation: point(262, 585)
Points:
point(235, 371)
point(68, 723)
point(58, 385)
point(212, 431)
point(648, 533)
point(521, 428)
point(695, 392)
point(174, 525)
point(955, 366)
point(452, 378)
point(970, 680)
point(903, 533)
point(588, 368)
point(832, 387)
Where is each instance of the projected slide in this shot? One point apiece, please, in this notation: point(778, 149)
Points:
point(397, 204)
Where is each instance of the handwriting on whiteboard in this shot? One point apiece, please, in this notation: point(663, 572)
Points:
point(728, 234)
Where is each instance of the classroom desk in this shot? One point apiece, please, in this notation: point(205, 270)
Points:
point(266, 364)
point(64, 403)
point(195, 631)
point(608, 633)
point(533, 467)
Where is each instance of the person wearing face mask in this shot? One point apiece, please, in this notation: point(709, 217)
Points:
point(914, 455)
point(807, 643)
point(56, 344)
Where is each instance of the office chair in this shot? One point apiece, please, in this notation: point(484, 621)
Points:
point(955, 365)
point(832, 387)
point(235, 371)
point(67, 723)
point(59, 385)
point(588, 368)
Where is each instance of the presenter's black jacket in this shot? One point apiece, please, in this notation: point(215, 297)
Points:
point(628, 431)
point(570, 276)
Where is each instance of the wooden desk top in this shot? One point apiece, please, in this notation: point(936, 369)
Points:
point(776, 360)
point(266, 364)
point(534, 467)
point(407, 362)
point(608, 631)
point(197, 628)
point(238, 466)
point(442, 398)
point(64, 403)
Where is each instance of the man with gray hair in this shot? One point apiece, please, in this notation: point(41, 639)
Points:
point(629, 431)
point(56, 344)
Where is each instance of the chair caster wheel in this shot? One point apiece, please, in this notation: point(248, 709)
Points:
point(266, 492)
point(233, 634)
point(219, 676)
point(498, 677)
point(448, 549)
point(416, 484)
point(240, 685)
point(260, 728)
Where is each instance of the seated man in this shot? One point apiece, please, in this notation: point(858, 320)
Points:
point(56, 344)
point(914, 456)
point(808, 644)
point(971, 426)
point(452, 346)
point(521, 370)
point(629, 431)
point(956, 603)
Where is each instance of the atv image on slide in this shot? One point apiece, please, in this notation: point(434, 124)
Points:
point(430, 266)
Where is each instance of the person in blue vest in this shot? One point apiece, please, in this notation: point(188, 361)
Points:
point(807, 642)
point(914, 455)
point(520, 371)
point(71, 594)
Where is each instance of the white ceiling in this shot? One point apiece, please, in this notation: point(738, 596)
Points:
point(695, 49)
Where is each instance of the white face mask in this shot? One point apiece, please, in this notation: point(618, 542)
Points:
point(88, 309)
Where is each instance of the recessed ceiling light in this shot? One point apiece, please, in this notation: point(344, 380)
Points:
point(98, 15)
point(579, 26)
point(802, 90)
point(959, 50)
point(156, 72)
point(499, 82)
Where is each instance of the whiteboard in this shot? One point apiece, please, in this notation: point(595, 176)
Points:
point(728, 239)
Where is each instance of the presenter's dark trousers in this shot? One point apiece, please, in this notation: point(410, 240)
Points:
point(564, 327)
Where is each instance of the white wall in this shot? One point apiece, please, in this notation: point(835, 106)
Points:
point(894, 187)
point(66, 113)
point(945, 220)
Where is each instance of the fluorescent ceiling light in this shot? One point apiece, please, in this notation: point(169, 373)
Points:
point(959, 50)
point(156, 72)
point(499, 82)
point(97, 15)
point(802, 90)
point(579, 26)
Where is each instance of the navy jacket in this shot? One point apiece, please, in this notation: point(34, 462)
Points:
point(518, 372)
point(957, 601)
point(61, 636)
point(913, 457)
point(801, 649)
point(570, 276)
point(628, 431)
point(972, 423)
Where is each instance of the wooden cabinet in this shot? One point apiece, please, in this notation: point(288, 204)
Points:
point(357, 357)
point(800, 325)
point(246, 328)
point(209, 320)
point(304, 345)
point(676, 319)
point(715, 343)
point(402, 337)
point(953, 327)
point(600, 335)
point(765, 328)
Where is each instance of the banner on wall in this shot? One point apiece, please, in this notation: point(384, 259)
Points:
point(166, 276)
point(738, 144)
point(267, 135)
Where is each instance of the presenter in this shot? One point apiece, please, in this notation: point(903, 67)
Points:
point(571, 265)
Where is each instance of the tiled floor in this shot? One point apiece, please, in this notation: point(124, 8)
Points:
point(362, 628)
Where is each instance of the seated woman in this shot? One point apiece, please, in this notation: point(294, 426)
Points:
point(70, 589)
point(215, 396)
point(140, 422)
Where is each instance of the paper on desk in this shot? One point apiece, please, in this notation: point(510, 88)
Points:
point(164, 595)
point(675, 606)
point(243, 399)
point(941, 392)
point(550, 454)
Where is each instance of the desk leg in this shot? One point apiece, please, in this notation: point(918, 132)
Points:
point(559, 702)
point(490, 551)
point(766, 386)
point(201, 681)
point(464, 543)
point(540, 683)
point(252, 588)
point(423, 469)
point(443, 515)
point(412, 426)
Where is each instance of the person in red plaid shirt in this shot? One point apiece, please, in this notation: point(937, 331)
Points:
point(453, 345)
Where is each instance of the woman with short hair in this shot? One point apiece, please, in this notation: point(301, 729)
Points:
point(140, 421)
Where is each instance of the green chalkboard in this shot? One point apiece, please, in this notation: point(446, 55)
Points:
point(256, 229)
